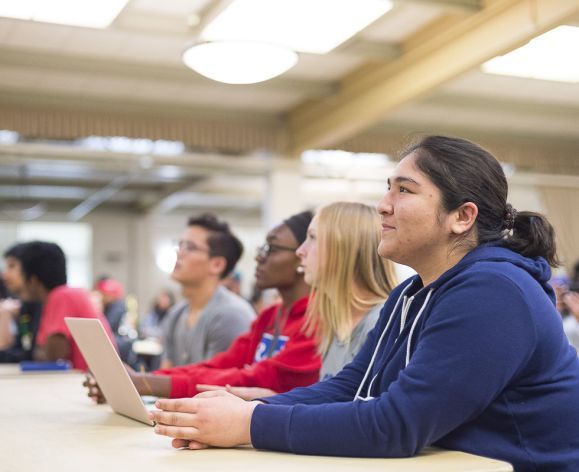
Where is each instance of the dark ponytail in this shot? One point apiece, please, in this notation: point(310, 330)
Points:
point(465, 172)
point(533, 236)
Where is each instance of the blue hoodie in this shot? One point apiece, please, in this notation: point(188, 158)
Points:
point(477, 361)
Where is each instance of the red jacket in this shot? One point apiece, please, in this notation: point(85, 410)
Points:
point(294, 361)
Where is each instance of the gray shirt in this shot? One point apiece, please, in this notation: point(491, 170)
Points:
point(341, 353)
point(225, 317)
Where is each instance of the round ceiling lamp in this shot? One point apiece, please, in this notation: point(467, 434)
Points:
point(239, 62)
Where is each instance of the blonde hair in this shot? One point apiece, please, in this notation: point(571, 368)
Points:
point(348, 236)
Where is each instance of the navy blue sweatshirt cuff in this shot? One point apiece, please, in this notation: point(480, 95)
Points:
point(270, 427)
point(273, 400)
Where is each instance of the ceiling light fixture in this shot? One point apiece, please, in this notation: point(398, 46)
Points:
point(239, 62)
point(251, 41)
point(551, 56)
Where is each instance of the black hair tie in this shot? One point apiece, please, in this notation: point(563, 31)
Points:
point(509, 217)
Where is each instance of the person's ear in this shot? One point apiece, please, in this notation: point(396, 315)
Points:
point(463, 218)
point(217, 265)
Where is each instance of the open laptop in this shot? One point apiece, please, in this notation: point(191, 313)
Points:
point(107, 368)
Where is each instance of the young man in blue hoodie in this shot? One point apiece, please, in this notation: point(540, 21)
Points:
point(468, 355)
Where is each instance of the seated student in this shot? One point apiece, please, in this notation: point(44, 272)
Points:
point(570, 301)
point(469, 354)
point(150, 325)
point(113, 300)
point(210, 317)
point(9, 307)
point(114, 307)
point(275, 353)
point(41, 268)
point(19, 345)
point(567, 292)
point(349, 281)
point(18, 321)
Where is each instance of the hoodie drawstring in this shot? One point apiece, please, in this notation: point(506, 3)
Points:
point(409, 343)
point(406, 302)
point(357, 396)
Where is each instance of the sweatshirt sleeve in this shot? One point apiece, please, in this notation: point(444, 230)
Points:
point(185, 378)
point(478, 336)
point(295, 365)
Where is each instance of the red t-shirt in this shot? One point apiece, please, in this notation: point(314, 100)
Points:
point(252, 360)
point(64, 301)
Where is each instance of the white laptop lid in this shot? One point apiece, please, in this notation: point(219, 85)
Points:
point(107, 368)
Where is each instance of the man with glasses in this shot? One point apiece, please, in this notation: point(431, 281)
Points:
point(211, 316)
point(275, 353)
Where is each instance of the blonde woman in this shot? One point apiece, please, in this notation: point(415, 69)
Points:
point(349, 280)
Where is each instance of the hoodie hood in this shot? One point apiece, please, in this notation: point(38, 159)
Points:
point(538, 268)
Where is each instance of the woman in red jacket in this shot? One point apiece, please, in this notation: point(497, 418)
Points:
point(276, 353)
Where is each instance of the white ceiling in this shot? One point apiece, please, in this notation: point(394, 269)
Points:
point(135, 65)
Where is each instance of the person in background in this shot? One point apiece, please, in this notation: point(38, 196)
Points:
point(568, 304)
point(276, 353)
point(114, 306)
point(574, 279)
point(210, 317)
point(233, 282)
point(37, 271)
point(570, 300)
point(350, 283)
point(150, 326)
point(468, 355)
point(150, 332)
point(18, 321)
point(21, 319)
point(8, 311)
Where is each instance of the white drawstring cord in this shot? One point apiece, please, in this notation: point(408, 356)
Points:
point(357, 396)
point(414, 326)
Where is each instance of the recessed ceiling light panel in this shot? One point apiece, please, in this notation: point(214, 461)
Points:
point(551, 56)
point(302, 25)
point(87, 13)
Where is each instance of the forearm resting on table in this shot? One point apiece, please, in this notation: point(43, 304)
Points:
point(150, 384)
point(57, 346)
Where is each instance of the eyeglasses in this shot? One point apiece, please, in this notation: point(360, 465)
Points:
point(189, 246)
point(266, 249)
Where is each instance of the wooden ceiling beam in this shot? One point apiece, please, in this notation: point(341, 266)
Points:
point(501, 26)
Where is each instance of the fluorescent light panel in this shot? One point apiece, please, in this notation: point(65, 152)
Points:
point(551, 56)
point(87, 13)
point(314, 26)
